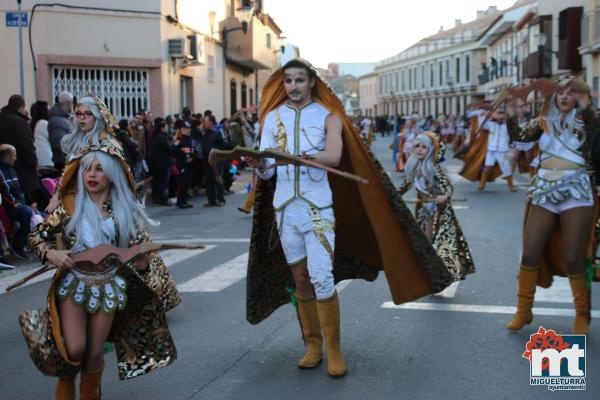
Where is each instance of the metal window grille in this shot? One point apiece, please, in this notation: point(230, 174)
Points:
point(123, 90)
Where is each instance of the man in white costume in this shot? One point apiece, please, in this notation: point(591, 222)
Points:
point(304, 209)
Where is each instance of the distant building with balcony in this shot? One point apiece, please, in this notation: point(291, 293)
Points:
point(503, 41)
point(438, 74)
point(554, 38)
point(367, 94)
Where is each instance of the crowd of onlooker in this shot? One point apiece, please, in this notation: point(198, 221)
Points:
point(167, 156)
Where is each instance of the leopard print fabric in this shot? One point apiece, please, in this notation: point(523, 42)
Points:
point(141, 335)
point(36, 327)
point(159, 278)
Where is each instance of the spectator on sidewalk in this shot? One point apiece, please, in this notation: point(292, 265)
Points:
point(184, 152)
point(39, 126)
point(213, 174)
point(59, 125)
point(13, 199)
point(160, 154)
point(15, 130)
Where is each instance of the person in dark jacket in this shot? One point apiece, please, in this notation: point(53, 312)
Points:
point(184, 152)
point(160, 154)
point(224, 128)
point(212, 140)
point(59, 125)
point(13, 199)
point(15, 130)
point(130, 147)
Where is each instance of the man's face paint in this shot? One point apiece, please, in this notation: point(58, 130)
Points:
point(298, 85)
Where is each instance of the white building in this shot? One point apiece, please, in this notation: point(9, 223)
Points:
point(368, 94)
point(438, 74)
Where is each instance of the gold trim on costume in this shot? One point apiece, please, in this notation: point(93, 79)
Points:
point(320, 227)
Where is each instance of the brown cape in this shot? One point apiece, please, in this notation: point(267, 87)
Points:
point(374, 228)
point(474, 159)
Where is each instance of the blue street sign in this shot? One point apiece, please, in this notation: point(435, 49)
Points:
point(12, 18)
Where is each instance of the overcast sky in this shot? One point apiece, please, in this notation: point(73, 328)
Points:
point(366, 31)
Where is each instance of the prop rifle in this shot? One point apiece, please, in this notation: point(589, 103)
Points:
point(99, 253)
point(239, 152)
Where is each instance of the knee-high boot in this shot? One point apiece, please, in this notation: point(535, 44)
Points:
point(249, 203)
point(329, 317)
point(511, 185)
point(90, 385)
point(311, 329)
point(65, 389)
point(527, 281)
point(581, 299)
point(483, 179)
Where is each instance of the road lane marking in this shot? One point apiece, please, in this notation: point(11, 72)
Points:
point(174, 256)
point(449, 292)
point(217, 278)
point(170, 257)
point(194, 239)
point(475, 308)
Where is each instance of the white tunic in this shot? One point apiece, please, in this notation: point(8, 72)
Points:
point(498, 139)
point(299, 132)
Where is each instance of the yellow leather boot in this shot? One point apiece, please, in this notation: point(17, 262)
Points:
point(527, 281)
point(581, 299)
point(329, 317)
point(89, 387)
point(65, 389)
point(483, 179)
point(511, 185)
point(311, 328)
point(249, 203)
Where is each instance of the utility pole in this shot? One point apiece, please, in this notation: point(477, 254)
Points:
point(22, 82)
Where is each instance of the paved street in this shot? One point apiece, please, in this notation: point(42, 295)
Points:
point(452, 346)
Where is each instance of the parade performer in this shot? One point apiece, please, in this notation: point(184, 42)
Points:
point(524, 153)
point(434, 208)
point(476, 155)
point(327, 228)
point(97, 126)
point(88, 304)
point(94, 124)
point(497, 149)
point(560, 215)
point(405, 145)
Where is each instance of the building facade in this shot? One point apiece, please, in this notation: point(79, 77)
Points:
point(367, 94)
point(158, 55)
point(437, 75)
point(505, 51)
